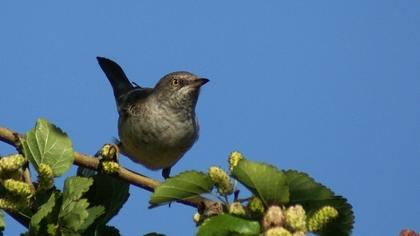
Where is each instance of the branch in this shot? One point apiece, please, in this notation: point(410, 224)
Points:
point(27, 177)
point(8, 136)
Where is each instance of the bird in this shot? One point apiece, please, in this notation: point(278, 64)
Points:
point(156, 126)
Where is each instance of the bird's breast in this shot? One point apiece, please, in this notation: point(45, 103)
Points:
point(157, 137)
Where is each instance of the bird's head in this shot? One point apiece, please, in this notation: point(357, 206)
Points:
point(179, 89)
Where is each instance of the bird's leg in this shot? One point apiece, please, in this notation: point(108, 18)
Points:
point(166, 172)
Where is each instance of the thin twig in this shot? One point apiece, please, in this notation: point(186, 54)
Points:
point(7, 136)
point(27, 178)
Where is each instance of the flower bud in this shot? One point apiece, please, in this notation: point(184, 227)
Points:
point(221, 179)
point(237, 209)
point(17, 187)
point(273, 217)
point(277, 231)
point(234, 159)
point(296, 218)
point(109, 152)
point(11, 163)
point(45, 176)
point(321, 218)
point(8, 204)
point(110, 167)
point(256, 208)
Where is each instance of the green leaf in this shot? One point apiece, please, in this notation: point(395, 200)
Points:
point(85, 172)
point(228, 225)
point(48, 144)
point(42, 212)
point(51, 229)
point(65, 232)
point(265, 181)
point(106, 230)
point(2, 224)
point(186, 185)
point(303, 188)
point(312, 196)
point(93, 214)
point(74, 214)
point(109, 192)
point(74, 187)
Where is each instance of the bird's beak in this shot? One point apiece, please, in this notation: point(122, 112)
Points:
point(200, 82)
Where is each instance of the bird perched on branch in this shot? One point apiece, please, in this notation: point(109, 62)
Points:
point(156, 126)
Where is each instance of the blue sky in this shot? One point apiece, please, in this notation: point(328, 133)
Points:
point(331, 88)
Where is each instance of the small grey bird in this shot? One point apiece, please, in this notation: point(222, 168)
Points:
point(156, 126)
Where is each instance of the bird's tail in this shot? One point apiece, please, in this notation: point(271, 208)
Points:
point(116, 76)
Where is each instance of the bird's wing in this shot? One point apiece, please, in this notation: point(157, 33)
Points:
point(132, 101)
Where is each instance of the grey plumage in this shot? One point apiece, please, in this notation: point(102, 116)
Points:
point(156, 125)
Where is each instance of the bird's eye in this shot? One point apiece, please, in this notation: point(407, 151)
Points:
point(175, 82)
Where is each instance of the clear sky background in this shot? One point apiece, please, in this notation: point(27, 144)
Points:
point(331, 88)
